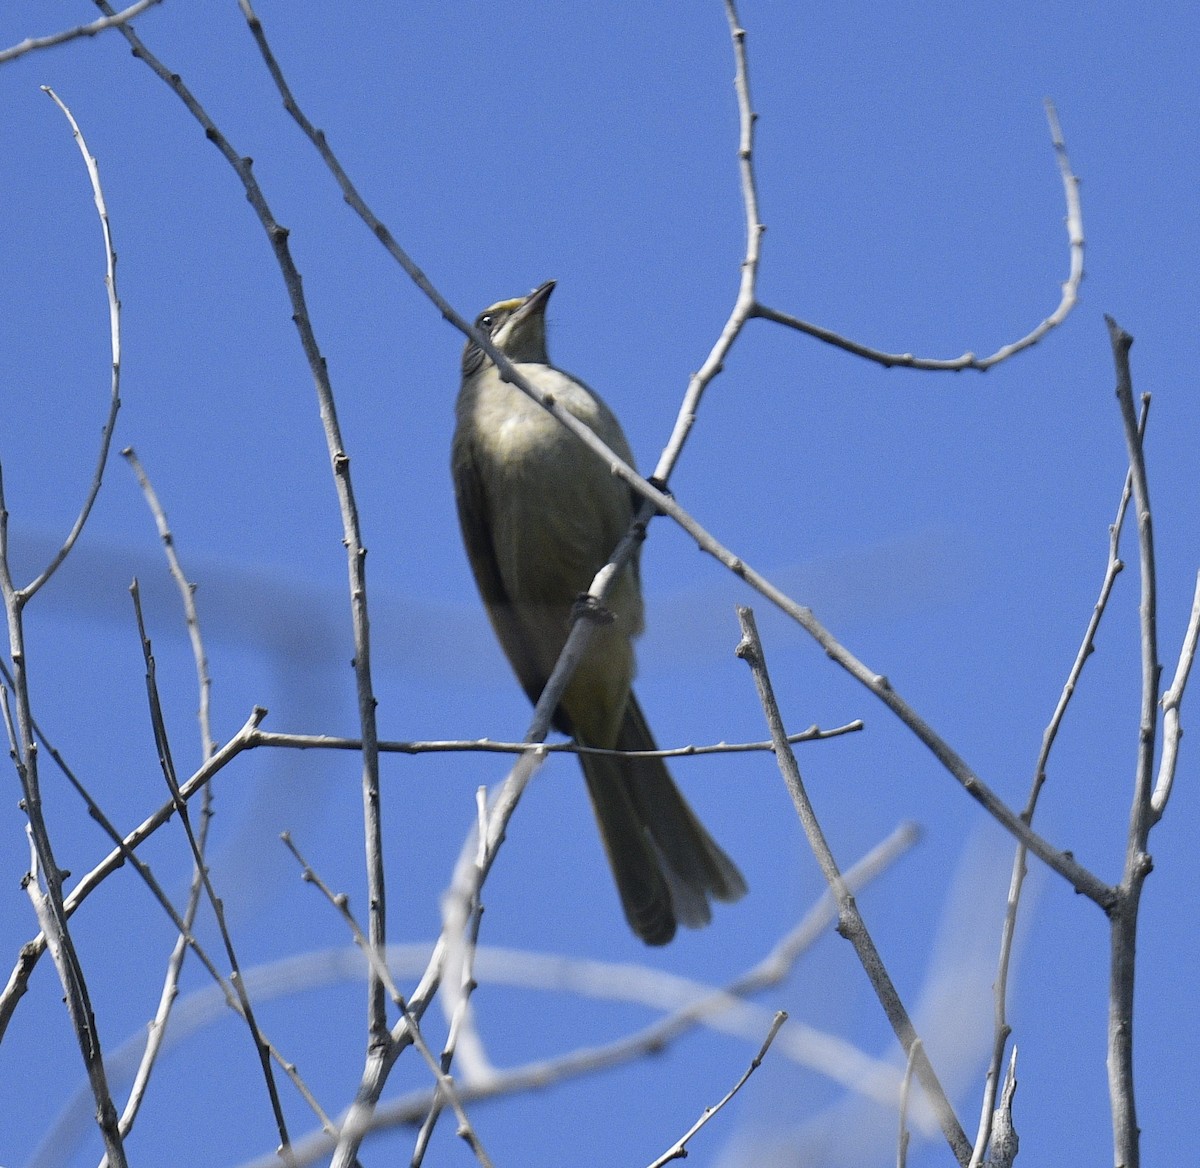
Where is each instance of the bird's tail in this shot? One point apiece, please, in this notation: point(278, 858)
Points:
point(666, 865)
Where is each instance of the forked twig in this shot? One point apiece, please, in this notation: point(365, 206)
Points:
point(1001, 1029)
point(187, 595)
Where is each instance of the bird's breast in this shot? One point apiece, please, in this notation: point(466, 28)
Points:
point(554, 508)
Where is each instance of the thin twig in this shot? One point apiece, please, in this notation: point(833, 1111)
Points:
point(850, 922)
point(273, 738)
point(360, 1117)
point(1113, 568)
point(744, 302)
point(1067, 301)
point(1148, 607)
point(678, 1151)
point(187, 594)
point(31, 44)
point(208, 747)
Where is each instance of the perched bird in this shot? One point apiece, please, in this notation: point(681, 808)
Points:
point(540, 515)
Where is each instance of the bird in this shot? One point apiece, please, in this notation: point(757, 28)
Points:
point(540, 514)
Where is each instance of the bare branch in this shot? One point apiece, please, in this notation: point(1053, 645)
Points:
point(1148, 608)
point(1124, 913)
point(356, 552)
point(1001, 1030)
point(850, 922)
point(698, 1005)
point(743, 307)
point(32, 44)
point(1005, 1143)
point(208, 747)
point(462, 1038)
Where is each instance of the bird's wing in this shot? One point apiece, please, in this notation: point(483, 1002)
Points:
point(475, 521)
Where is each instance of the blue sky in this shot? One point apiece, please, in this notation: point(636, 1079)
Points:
point(951, 529)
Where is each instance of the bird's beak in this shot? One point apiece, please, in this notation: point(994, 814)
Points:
point(535, 303)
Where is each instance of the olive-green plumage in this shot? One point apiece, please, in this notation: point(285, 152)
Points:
point(540, 515)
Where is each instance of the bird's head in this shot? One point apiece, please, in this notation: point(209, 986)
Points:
point(516, 327)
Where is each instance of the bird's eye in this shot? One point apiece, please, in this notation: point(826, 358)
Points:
point(485, 322)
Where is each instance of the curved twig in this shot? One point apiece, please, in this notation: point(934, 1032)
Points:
point(114, 319)
point(968, 360)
